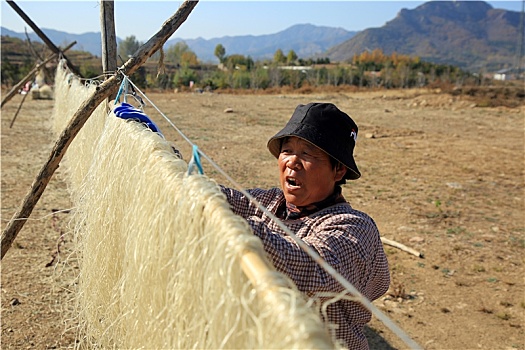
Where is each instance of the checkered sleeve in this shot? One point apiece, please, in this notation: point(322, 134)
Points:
point(242, 206)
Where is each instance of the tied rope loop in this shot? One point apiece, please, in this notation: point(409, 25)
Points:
point(195, 161)
point(123, 90)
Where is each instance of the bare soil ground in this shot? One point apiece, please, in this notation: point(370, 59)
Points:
point(440, 175)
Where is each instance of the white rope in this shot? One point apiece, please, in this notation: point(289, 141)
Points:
point(310, 251)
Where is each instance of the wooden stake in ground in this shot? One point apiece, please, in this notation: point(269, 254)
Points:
point(109, 39)
point(18, 110)
point(81, 116)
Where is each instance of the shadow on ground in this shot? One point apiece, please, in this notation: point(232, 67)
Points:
point(375, 341)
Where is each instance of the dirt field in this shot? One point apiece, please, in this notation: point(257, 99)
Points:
point(440, 175)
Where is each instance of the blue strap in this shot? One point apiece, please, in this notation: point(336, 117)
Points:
point(127, 111)
point(195, 161)
point(122, 85)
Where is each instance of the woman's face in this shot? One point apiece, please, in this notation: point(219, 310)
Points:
point(306, 174)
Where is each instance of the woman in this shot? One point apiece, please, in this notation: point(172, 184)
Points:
point(315, 156)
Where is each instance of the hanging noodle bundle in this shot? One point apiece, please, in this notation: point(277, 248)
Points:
point(164, 263)
point(70, 92)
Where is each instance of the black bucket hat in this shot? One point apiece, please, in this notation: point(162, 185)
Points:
point(325, 126)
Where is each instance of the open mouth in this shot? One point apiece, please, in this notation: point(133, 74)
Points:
point(293, 182)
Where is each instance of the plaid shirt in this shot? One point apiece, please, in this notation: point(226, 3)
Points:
point(345, 238)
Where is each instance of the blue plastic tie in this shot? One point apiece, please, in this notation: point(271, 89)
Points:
point(120, 89)
point(195, 161)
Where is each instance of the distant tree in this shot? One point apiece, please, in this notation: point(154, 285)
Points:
point(184, 76)
point(189, 58)
point(259, 78)
point(293, 78)
point(291, 57)
point(239, 62)
point(240, 79)
point(162, 81)
point(403, 73)
point(278, 57)
point(128, 47)
point(220, 52)
point(275, 76)
point(387, 75)
point(378, 56)
point(218, 80)
point(305, 62)
point(180, 53)
point(325, 60)
point(249, 63)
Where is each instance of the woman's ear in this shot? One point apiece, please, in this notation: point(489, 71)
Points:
point(340, 171)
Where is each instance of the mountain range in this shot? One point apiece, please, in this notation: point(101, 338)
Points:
point(469, 34)
point(305, 39)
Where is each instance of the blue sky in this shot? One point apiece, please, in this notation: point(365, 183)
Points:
point(211, 18)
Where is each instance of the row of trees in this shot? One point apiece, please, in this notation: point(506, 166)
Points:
point(372, 69)
point(178, 67)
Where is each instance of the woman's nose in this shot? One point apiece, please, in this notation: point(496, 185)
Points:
point(293, 162)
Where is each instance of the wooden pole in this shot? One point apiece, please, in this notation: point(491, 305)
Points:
point(402, 247)
point(81, 116)
point(29, 76)
point(30, 45)
point(42, 36)
point(109, 39)
point(18, 110)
